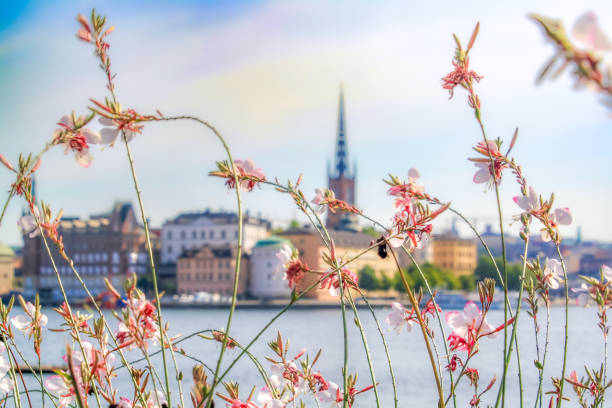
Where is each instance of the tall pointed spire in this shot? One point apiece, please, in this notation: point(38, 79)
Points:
point(341, 165)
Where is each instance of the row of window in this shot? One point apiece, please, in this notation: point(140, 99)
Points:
point(207, 276)
point(96, 257)
point(203, 264)
point(193, 291)
point(203, 234)
point(85, 270)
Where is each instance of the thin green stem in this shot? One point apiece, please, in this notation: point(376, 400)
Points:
point(151, 264)
point(384, 341)
point(365, 346)
point(566, 326)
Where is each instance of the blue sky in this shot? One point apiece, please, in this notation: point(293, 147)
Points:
point(267, 74)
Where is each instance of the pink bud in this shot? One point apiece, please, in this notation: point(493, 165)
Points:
point(36, 166)
point(84, 35)
point(6, 163)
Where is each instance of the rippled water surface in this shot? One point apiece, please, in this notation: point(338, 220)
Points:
point(322, 329)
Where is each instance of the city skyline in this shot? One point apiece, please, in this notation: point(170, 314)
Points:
point(268, 75)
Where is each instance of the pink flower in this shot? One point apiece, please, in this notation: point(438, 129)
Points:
point(399, 317)
point(553, 273)
point(266, 398)
point(468, 326)
point(318, 200)
point(584, 295)
point(248, 174)
point(332, 283)
point(112, 128)
point(487, 172)
point(561, 216)
point(530, 203)
point(332, 394)
point(62, 387)
point(587, 31)
point(76, 139)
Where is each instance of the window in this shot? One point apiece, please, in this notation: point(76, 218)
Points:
point(211, 234)
point(220, 276)
point(194, 234)
point(169, 249)
point(115, 257)
point(222, 234)
point(183, 235)
point(169, 234)
point(236, 234)
point(203, 235)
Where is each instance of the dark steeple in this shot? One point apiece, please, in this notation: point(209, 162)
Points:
point(341, 164)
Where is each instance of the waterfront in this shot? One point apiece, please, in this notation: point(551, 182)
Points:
point(314, 329)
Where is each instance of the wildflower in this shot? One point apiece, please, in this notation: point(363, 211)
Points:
point(587, 31)
point(454, 362)
point(76, 138)
point(529, 203)
point(266, 398)
point(552, 273)
point(399, 317)
point(61, 386)
point(468, 326)
point(332, 283)
point(607, 272)
point(561, 216)
point(112, 128)
point(249, 174)
point(139, 323)
point(32, 321)
point(287, 375)
point(488, 172)
point(319, 200)
point(293, 268)
point(460, 75)
point(583, 295)
point(6, 384)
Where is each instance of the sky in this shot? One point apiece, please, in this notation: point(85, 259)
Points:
point(267, 75)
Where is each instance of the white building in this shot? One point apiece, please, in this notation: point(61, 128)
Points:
point(194, 230)
point(266, 277)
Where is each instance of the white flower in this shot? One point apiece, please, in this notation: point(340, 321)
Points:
point(5, 383)
point(79, 140)
point(331, 394)
point(529, 203)
point(413, 177)
point(318, 199)
point(57, 385)
point(607, 272)
point(265, 398)
point(553, 273)
point(398, 317)
point(584, 295)
point(561, 216)
point(110, 132)
point(26, 323)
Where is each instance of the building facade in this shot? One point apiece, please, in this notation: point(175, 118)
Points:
point(341, 179)
point(348, 245)
point(7, 274)
point(266, 269)
point(190, 231)
point(455, 254)
point(110, 245)
point(211, 269)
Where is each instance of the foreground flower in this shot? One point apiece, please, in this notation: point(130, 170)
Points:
point(488, 172)
point(332, 283)
point(561, 216)
point(587, 31)
point(32, 321)
point(6, 385)
point(61, 386)
point(76, 138)
point(399, 317)
point(553, 273)
point(293, 268)
point(468, 326)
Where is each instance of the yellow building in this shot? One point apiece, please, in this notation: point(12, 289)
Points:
point(7, 273)
point(455, 254)
point(348, 244)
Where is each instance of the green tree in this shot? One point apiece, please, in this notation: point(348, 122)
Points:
point(368, 279)
point(486, 269)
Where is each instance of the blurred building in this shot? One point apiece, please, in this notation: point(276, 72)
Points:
point(211, 269)
point(110, 245)
point(348, 244)
point(266, 269)
point(454, 253)
point(591, 263)
point(194, 230)
point(341, 180)
point(7, 274)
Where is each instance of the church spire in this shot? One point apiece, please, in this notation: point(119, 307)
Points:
point(341, 165)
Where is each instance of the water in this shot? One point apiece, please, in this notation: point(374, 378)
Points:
point(322, 329)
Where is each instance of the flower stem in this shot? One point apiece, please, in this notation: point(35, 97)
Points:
point(566, 327)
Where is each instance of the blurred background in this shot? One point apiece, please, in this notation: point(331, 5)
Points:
point(268, 75)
